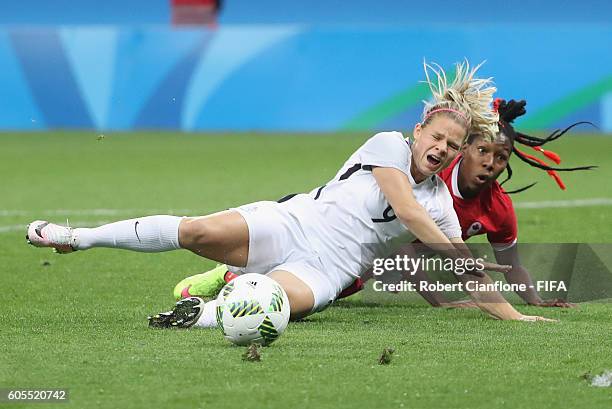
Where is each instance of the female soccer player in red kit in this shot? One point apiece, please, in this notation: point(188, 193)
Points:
point(484, 207)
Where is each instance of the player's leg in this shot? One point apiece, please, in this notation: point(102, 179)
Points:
point(221, 236)
point(208, 284)
point(195, 312)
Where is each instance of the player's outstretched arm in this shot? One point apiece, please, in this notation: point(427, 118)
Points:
point(492, 302)
point(397, 190)
point(520, 275)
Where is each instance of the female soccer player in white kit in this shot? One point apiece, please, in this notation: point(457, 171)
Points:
point(313, 244)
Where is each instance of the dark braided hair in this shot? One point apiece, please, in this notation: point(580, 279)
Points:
point(508, 112)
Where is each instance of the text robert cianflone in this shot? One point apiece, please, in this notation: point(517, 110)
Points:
point(411, 265)
point(406, 286)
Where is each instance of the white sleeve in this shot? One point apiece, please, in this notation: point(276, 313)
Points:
point(386, 150)
point(448, 222)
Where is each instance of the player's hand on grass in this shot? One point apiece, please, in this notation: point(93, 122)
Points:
point(534, 318)
point(556, 302)
point(459, 304)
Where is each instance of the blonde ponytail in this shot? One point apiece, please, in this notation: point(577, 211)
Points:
point(466, 99)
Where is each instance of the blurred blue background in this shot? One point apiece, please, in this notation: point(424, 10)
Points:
point(276, 65)
point(122, 12)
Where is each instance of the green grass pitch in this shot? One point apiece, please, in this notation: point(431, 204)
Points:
point(79, 321)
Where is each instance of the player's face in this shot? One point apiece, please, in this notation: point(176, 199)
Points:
point(482, 163)
point(436, 145)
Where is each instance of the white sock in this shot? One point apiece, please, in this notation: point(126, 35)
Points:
point(208, 319)
point(149, 234)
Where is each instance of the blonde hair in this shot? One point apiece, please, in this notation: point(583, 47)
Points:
point(467, 99)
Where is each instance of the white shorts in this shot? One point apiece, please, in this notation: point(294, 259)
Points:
point(277, 242)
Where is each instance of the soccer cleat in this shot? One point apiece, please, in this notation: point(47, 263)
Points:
point(44, 234)
point(205, 285)
point(184, 314)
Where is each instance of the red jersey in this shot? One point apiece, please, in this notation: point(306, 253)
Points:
point(490, 213)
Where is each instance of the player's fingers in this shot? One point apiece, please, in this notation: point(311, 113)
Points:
point(546, 319)
point(500, 268)
point(560, 302)
point(557, 302)
point(534, 318)
point(462, 304)
point(563, 304)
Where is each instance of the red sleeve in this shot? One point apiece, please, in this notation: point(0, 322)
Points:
point(506, 229)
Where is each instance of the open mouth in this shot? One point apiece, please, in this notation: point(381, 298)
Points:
point(433, 160)
point(482, 178)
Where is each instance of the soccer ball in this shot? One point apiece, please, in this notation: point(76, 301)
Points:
point(252, 309)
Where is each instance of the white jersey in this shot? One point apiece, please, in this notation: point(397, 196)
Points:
point(348, 222)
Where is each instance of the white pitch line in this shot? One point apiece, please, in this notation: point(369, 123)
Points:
point(14, 227)
point(549, 204)
point(95, 212)
point(546, 204)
